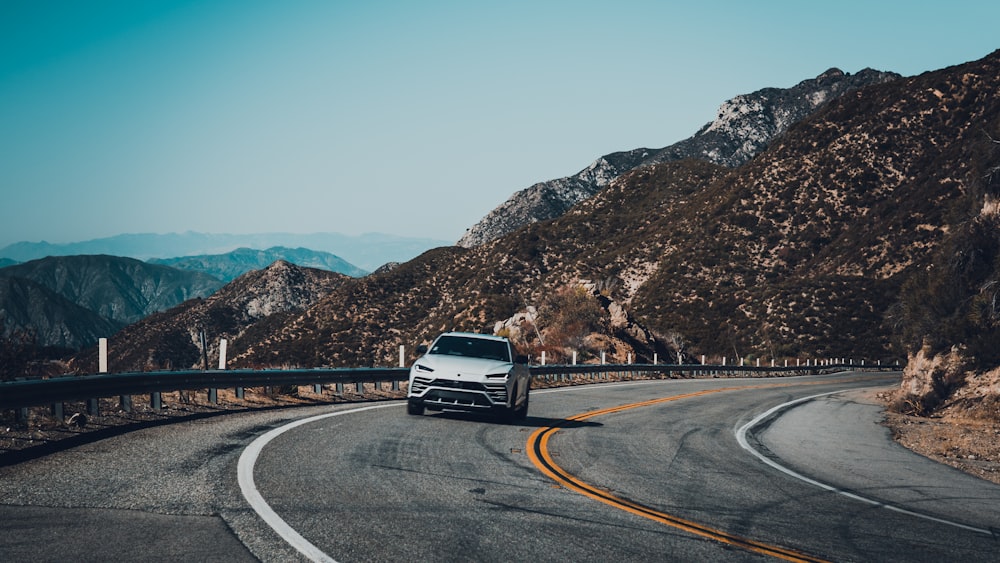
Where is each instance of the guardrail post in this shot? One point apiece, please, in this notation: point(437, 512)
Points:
point(57, 411)
point(340, 388)
point(360, 387)
point(93, 407)
point(240, 394)
point(125, 402)
point(318, 388)
point(213, 396)
point(395, 384)
point(155, 400)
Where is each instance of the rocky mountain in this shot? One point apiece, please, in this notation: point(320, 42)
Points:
point(4, 262)
point(367, 251)
point(744, 126)
point(249, 307)
point(51, 319)
point(799, 253)
point(229, 266)
point(810, 250)
point(122, 290)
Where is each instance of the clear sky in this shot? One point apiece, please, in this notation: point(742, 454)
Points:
point(412, 118)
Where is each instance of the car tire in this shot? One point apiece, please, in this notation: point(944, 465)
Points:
point(415, 408)
point(514, 413)
point(522, 413)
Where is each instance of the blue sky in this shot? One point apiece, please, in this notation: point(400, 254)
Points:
point(409, 118)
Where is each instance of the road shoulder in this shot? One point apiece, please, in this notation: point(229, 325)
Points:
point(841, 440)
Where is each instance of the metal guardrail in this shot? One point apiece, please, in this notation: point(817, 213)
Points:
point(28, 393)
point(19, 394)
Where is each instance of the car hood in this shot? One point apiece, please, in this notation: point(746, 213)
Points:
point(445, 365)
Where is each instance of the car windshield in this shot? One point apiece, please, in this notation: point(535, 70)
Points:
point(472, 348)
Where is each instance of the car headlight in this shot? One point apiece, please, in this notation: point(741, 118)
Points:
point(422, 368)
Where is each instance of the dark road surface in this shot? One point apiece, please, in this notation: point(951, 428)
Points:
point(380, 485)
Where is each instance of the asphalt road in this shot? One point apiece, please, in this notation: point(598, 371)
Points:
point(380, 485)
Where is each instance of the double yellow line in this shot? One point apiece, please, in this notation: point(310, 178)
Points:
point(539, 454)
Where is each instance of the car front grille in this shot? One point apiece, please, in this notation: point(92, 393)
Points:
point(453, 393)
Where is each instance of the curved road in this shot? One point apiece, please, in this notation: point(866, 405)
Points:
point(826, 483)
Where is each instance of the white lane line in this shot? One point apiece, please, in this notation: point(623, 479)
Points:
point(741, 437)
point(244, 474)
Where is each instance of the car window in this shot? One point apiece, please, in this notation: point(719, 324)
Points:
point(472, 348)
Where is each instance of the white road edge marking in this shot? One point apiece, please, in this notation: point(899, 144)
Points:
point(741, 437)
point(244, 473)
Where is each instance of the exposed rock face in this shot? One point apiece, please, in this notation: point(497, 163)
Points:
point(744, 126)
point(929, 379)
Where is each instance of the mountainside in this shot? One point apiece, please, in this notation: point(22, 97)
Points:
point(229, 266)
point(802, 252)
point(123, 290)
point(744, 126)
point(367, 251)
point(55, 321)
point(171, 339)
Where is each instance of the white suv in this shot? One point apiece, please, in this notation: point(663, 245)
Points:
point(469, 372)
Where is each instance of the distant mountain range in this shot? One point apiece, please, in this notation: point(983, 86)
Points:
point(744, 126)
point(70, 301)
point(368, 251)
point(231, 265)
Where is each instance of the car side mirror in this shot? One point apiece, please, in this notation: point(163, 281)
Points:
point(421, 350)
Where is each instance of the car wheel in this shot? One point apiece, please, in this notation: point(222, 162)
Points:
point(522, 413)
point(415, 408)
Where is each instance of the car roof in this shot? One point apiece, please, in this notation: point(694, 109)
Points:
point(475, 335)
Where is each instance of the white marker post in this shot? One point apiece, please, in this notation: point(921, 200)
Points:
point(102, 362)
point(223, 343)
